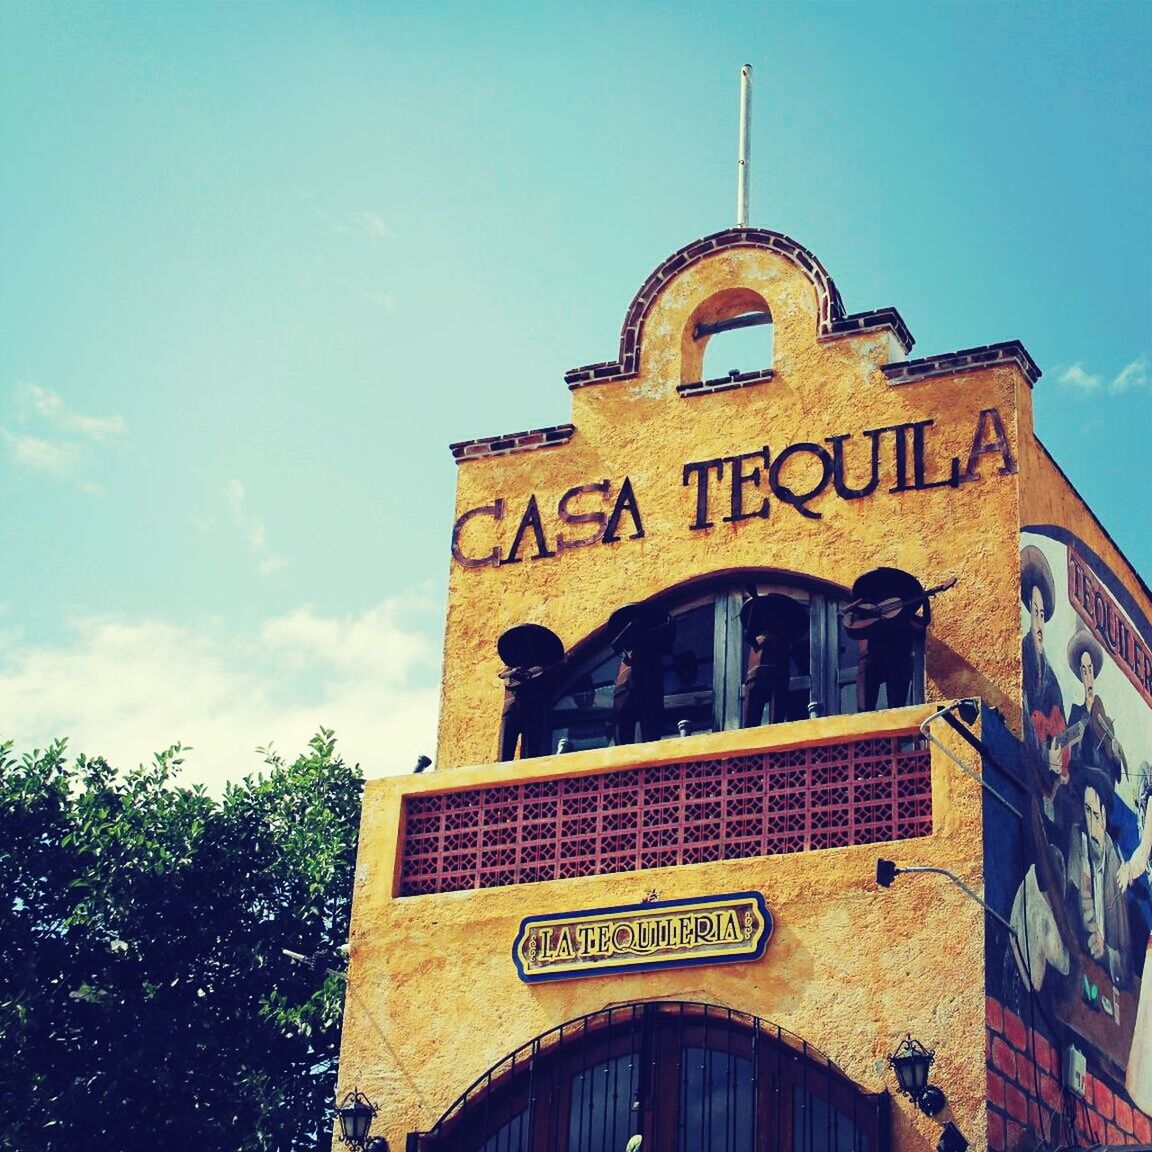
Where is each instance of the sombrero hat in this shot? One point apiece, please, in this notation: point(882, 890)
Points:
point(775, 614)
point(528, 645)
point(1083, 641)
point(632, 620)
point(1034, 570)
point(886, 583)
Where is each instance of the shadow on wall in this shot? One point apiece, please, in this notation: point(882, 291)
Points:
point(957, 677)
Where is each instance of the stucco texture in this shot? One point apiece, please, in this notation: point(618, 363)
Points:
point(434, 998)
point(643, 430)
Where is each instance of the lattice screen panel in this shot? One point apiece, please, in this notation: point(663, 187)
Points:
point(765, 804)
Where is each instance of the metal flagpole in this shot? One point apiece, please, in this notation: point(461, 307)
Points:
point(745, 132)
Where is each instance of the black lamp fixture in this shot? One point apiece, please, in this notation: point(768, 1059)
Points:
point(887, 871)
point(968, 710)
point(951, 1139)
point(911, 1062)
point(356, 1113)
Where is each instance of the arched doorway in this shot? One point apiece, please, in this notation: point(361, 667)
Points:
point(687, 1077)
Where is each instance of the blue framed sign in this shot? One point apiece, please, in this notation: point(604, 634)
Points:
point(722, 929)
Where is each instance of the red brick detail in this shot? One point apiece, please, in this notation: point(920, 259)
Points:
point(1090, 1090)
point(1025, 1090)
point(995, 1089)
point(1124, 1115)
point(1016, 1031)
point(966, 360)
point(513, 442)
point(724, 383)
point(1101, 1097)
point(864, 321)
point(1141, 1127)
point(996, 1132)
point(1034, 1115)
point(1016, 1103)
point(638, 818)
point(1018, 1137)
point(1051, 1092)
point(832, 320)
point(994, 1014)
point(1046, 1058)
point(1003, 1058)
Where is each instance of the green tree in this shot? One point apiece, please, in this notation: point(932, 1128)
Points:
point(145, 1001)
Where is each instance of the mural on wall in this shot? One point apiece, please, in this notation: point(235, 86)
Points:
point(1071, 872)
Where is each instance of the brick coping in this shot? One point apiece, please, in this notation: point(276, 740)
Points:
point(832, 321)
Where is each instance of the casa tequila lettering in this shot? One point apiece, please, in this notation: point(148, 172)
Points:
point(576, 507)
point(802, 472)
point(734, 488)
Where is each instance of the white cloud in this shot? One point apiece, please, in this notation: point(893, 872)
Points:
point(125, 689)
point(373, 224)
point(57, 458)
point(342, 222)
point(302, 637)
point(1076, 377)
point(1131, 376)
point(53, 455)
point(51, 407)
point(252, 529)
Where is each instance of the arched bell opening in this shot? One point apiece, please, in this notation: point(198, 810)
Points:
point(684, 1076)
point(730, 333)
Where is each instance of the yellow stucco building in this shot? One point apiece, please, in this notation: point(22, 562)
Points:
point(639, 894)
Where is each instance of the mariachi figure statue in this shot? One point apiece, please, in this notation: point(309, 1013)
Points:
point(642, 635)
point(772, 623)
point(534, 656)
point(888, 613)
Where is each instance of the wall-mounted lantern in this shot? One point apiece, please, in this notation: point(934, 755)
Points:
point(355, 1114)
point(911, 1062)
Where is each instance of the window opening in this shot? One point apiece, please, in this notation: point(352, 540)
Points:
point(684, 1076)
point(717, 1104)
point(739, 344)
point(705, 672)
point(600, 1105)
point(509, 1137)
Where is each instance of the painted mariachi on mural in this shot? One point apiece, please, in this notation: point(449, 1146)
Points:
point(1072, 874)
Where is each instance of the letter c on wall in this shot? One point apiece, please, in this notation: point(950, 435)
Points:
point(496, 511)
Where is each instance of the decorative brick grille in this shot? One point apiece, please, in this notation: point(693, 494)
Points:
point(764, 804)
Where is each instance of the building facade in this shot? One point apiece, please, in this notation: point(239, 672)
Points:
point(715, 647)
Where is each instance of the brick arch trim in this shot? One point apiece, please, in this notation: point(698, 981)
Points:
point(832, 321)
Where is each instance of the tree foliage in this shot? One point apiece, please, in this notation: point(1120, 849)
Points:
point(145, 1001)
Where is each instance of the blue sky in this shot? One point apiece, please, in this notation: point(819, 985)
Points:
point(263, 262)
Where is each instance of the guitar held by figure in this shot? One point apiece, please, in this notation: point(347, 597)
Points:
point(863, 614)
point(518, 676)
point(1053, 733)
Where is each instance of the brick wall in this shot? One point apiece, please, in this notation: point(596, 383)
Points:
point(1025, 1095)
